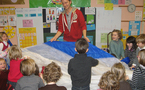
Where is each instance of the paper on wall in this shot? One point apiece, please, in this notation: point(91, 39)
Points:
point(12, 20)
point(138, 15)
point(3, 20)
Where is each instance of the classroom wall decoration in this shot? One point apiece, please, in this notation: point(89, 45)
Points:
point(50, 3)
point(10, 31)
point(106, 21)
point(134, 28)
point(12, 20)
point(30, 25)
point(27, 37)
point(3, 20)
point(5, 2)
point(143, 16)
point(50, 15)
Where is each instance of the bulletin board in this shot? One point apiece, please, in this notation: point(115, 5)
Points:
point(106, 21)
point(29, 26)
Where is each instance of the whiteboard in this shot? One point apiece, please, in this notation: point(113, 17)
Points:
point(35, 16)
point(106, 21)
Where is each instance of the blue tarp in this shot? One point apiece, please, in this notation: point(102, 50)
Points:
point(69, 48)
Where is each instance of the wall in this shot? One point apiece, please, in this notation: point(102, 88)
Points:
point(126, 16)
point(26, 5)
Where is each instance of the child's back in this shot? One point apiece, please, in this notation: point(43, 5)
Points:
point(79, 67)
point(29, 81)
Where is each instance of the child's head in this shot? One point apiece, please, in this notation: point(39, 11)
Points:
point(81, 46)
point(140, 40)
point(3, 37)
point(116, 35)
point(131, 43)
point(27, 67)
point(15, 52)
point(109, 81)
point(2, 64)
point(141, 57)
point(52, 73)
point(119, 70)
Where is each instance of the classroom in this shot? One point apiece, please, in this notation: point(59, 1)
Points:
point(34, 25)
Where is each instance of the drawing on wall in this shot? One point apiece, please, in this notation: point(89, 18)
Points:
point(28, 23)
point(12, 20)
point(50, 15)
point(3, 20)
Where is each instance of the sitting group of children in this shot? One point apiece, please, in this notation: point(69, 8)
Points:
point(23, 73)
point(133, 46)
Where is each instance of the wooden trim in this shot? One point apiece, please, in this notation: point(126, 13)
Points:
point(128, 5)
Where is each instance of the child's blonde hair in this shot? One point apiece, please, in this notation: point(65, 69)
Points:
point(118, 32)
point(142, 57)
point(27, 67)
point(15, 52)
point(1, 35)
point(109, 81)
point(119, 70)
point(140, 38)
point(52, 73)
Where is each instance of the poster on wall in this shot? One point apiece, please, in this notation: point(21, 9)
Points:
point(138, 15)
point(134, 28)
point(143, 16)
point(29, 20)
point(59, 11)
point(3, 20)
point(56, 3)
point(28, 23)
point(90, 10)
point(12, 20)
point(1, 10)
point(111, 20)
point(12, 10)
point(28, 37)
point(127, 2)
point(50, 15)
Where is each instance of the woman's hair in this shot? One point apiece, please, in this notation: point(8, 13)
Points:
point(15, 52)
point(118, 32)
point(81, 45)
point(1, 35)
point(27, 67)
point(119, 70)
point(52, 73)
point(132, 40)
point(142, 57)
point(109, 81)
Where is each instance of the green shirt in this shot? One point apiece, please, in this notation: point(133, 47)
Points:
point(116, 47)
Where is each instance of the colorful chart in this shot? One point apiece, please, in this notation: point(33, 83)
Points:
point(27, 37)
point(10, 31)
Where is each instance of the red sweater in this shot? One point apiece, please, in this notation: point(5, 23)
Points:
point(3, 79)
point(77, 25)
point(15, 73)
